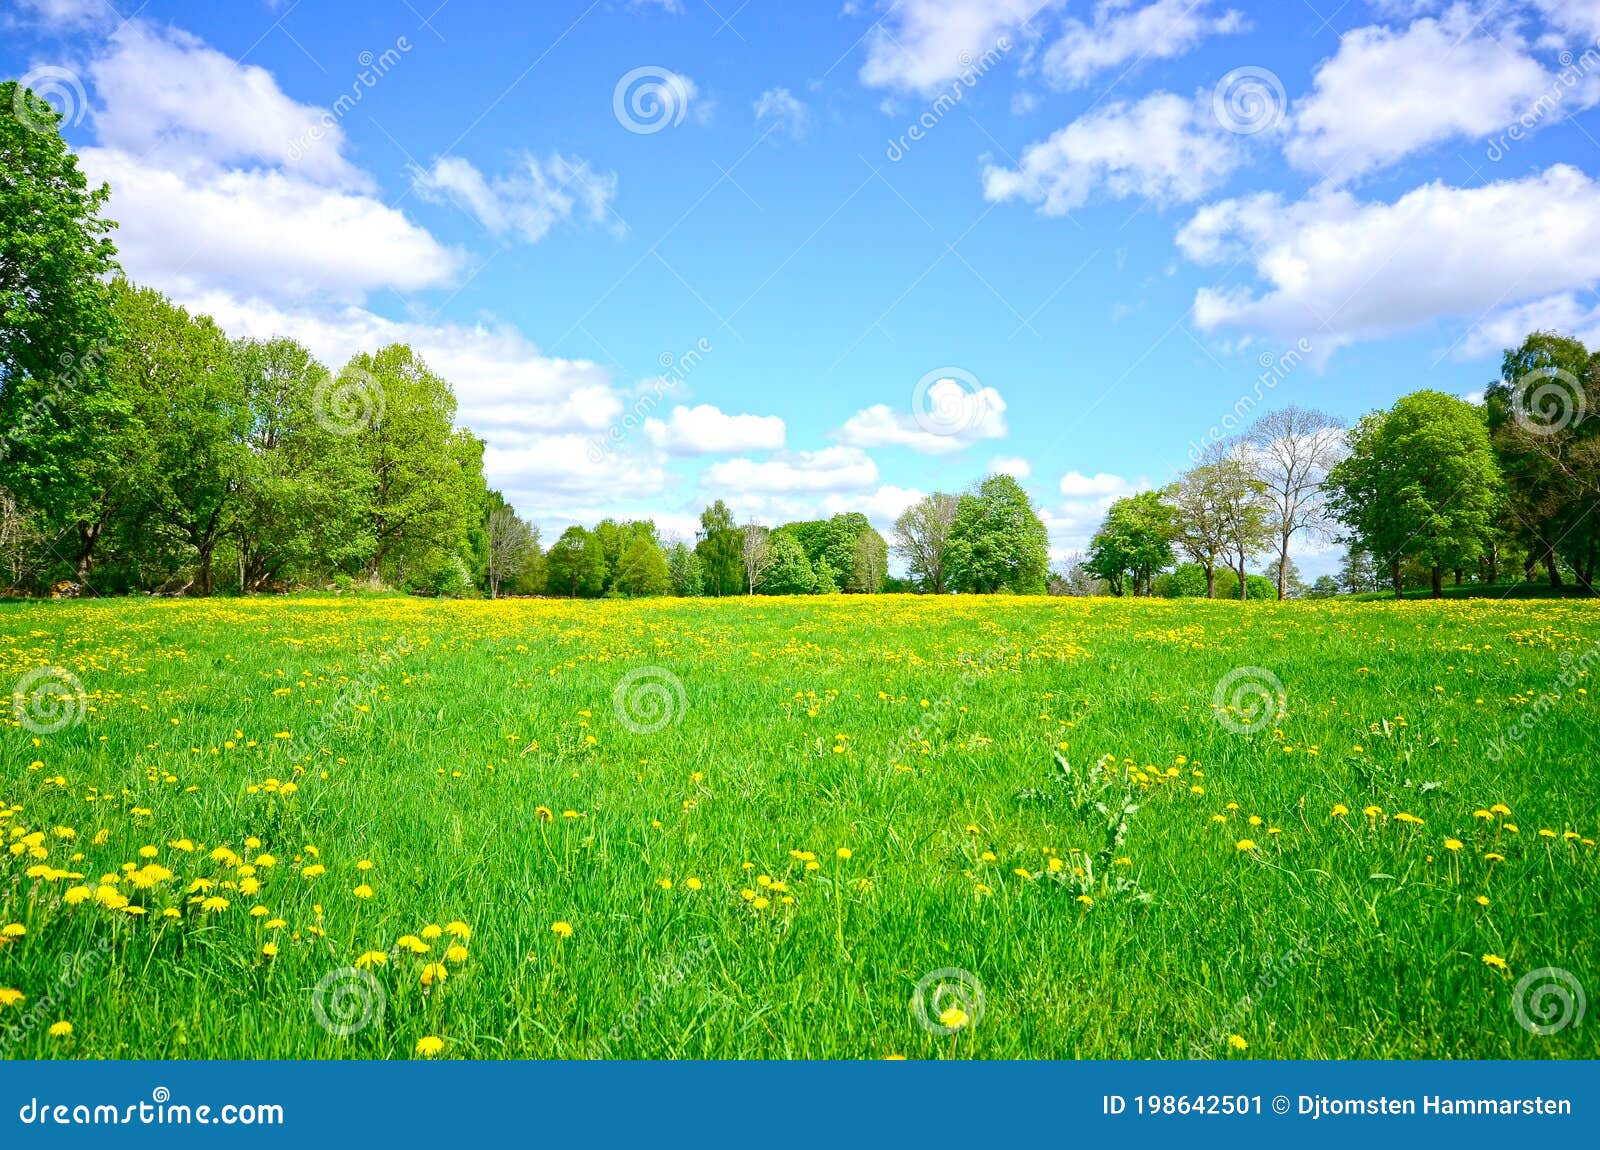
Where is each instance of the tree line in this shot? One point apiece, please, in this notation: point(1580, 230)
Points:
point(1433, 486)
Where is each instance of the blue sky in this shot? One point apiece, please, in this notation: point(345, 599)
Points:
point(1111, 219)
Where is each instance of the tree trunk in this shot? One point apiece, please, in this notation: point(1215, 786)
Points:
point(1211, 581)
point(1244, 587)
point(1458, 576)
point(1551, 566)
point(1494, 564)
point(204, 575)
point(1394, 574)
point(1438, 581)
point(1283, 571)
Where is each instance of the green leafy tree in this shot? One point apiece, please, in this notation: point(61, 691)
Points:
point(824, 582)
point(1420, 482)
point(721, 551)
point(644, 568)
point(684, 566)
point(575, 564)
point(997, 542)
point(788, 570)
point(922, 536)
point(1133, 543)
point(869, 563)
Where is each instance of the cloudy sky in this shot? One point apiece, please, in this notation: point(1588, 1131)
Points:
point(880, 248)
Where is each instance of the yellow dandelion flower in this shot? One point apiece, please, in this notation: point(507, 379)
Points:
point(1237, 1042)
point(434, 972)
point(429, 1046)
point(372, 958)
point(1244, 845)
point(562, 929)
point(61, 1030)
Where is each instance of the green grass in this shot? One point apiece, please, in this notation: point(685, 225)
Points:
point(789, 741)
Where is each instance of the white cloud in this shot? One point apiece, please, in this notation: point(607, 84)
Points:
point(1508, 327)
point(919, 45)
point(1387, 94)
point(1339, 269)
point(881, 507)
point(260, 230)
point(1124, 36)
point(1086, 498)
point(1013, 465)
point(957, 417)
point(779, 110)
point(71, 13)
point(174, 100)
point(1164, 148)
point(828, 469)
point(706, 430)
point(1579, 17)
point(526, 203)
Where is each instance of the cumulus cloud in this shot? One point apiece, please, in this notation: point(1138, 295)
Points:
point(706, 430)
point(1164, 148)
point(528, 202)
point(956, 416)
point(1012, 465)
point(1123, 36)
point(920, 45)
point(826, 470)
point(1386, 94)
point(1340, 269)
point(1073, 520)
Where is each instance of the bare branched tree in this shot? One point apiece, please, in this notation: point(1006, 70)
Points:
point(921, 535)
point(1292, 451)
point(757, 554)
point(512, 542)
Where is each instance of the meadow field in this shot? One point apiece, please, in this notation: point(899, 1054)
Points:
point(837, 827)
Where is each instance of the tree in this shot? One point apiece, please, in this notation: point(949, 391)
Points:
point(684, 568)
point(921, 536)
point(512, 544)
point(997, 542)
point(825, 583)
point(756, 552)
point(576, 564)
point(869, 564)
point(56, 323)
point(788, 571)
point(1207, 503)
point(1243, 508)
point(644, 569)
point(720, 547)
point(1323, 587)
point(1356, 573)
point(1293, 450)
point(1133, 543)
point(1420, 482)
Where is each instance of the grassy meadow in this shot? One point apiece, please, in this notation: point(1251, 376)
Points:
point(390, 828)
